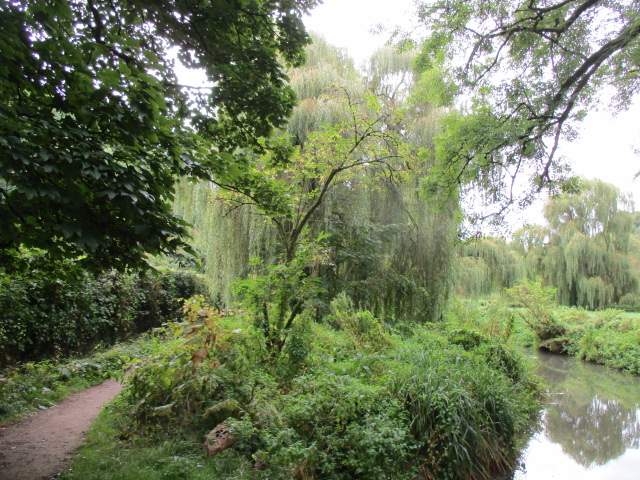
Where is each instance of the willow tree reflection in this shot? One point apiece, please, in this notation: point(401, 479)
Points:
point(592, 428)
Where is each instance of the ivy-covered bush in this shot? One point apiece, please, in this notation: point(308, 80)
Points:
point(54, 309)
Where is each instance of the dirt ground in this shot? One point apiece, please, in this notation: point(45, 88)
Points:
point(40, 446)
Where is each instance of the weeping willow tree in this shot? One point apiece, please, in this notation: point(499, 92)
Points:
point(590, 234)
point(228, 236)
point(225, 238)
point(390, 246)
point(631, 300)
point(589, 251)
point(530, 243)
point(486, 265)
point(392, 243)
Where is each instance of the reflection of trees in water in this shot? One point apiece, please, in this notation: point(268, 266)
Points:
point(595, 432)
point(595, 416)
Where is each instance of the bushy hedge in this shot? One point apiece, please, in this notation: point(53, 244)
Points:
point(60, 309)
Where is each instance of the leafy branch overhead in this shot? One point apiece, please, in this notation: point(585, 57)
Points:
point(95, 129)
point(532, 68)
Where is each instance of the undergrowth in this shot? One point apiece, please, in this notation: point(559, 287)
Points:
point(343, 400)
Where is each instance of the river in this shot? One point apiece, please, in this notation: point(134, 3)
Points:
point(590, 428)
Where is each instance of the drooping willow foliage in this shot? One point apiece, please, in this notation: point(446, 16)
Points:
point(226, 238)
point(393, 245)
point(390, 245)
point(587, 259)
point(486, 265)
point(589, 251)
point(392, 251)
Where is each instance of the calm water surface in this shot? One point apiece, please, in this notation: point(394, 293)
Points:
point(591, 427)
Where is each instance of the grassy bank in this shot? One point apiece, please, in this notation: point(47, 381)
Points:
point(607, 337)
point(106, 454)
point(341, 401)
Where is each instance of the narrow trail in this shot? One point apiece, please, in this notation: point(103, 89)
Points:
point(40, 446)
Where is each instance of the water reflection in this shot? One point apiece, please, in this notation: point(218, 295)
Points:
point(591, 427)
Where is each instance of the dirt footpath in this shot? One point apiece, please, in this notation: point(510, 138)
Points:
point(40, 446)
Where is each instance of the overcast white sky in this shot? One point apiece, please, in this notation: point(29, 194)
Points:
point(605, 148)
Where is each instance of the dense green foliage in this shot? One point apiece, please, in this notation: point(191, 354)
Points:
point(58, 308)
point(354, 185)
point(610, 338)
point(95, 128)
point(352, 406)
point(486, 265)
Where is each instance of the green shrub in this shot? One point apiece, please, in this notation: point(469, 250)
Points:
point(163, 293)
point(609, 337)
point(467, 409)
point(361, 325)
point(200, 368)
point(337, 427)
point(496, 354)
point(492, 317)
point(538, 303)
point(58, 309)
point(293, 358)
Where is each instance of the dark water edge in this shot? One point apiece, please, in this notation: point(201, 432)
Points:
point(590, 427)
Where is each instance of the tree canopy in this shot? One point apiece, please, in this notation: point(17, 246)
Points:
point(94, 127)
point(527, 71)
point(588, 256)
point(587, 251)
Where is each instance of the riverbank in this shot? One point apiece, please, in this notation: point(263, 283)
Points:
point(606, 337)
point(609, 337)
